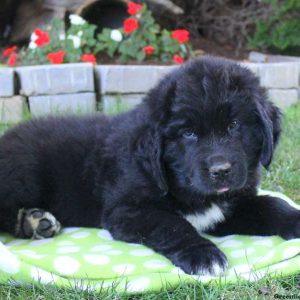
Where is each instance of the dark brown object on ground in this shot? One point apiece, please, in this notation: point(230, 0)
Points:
point(223, 21)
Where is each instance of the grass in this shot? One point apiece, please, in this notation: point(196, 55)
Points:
point(265, 288)
point(283, 176)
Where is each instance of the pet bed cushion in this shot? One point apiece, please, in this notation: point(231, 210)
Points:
point(90, 259)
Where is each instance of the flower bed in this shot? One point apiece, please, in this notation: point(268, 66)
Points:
point(140, 39)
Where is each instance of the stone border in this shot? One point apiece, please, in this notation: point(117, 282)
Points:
point(7, 82)
point(56, 79)
point(82, 87)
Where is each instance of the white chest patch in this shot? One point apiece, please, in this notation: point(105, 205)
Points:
point(206, 220)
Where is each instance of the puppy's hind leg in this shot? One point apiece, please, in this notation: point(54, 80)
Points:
point(36, 223)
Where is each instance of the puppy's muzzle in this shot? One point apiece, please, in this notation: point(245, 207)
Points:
point(219, 168)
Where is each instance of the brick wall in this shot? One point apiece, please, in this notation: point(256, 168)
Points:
point(73, 88)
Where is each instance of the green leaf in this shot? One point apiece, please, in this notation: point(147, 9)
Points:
point(141, 56)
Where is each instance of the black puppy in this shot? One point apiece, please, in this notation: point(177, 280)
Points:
point(185, 161)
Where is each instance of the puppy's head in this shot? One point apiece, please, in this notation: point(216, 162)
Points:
point(214, 126)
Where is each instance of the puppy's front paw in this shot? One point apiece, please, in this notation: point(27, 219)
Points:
point(37, 224)
point(202, 260)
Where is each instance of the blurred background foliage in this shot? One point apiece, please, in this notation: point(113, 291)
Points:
point(228, 28)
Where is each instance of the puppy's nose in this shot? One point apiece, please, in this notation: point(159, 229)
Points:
point(219, 169)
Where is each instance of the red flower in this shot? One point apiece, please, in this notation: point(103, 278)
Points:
point(56, 57)
point(9, 51)
point(181, 35)
point(88, 57)
point(178, 59)
point(42, 37)
point(12, 60)
point(148, 50)
point(130, 25)
point(133, 8)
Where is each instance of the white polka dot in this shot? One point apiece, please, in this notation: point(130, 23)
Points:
point(155, 264)
point(204, 278)
point(30, 253)
point(250, 250)
point(242, 252)
point(257, 237)
point(124, 269)
point(36, 256)
point(263, 242)
point(138, 285)
point(266, 257)
point(241, 269)
point(280, 266)
point(8, 261)
point(134, 245)
point(80, 235)
point(66, 265)
point(177, 271)
point(68, 249)
point(104, 234)
point(114, 252)
point(42, 276)
point(290, 252)
point(100, 248)
point(16, 242)
point(70, 229)
point(41, 242)
point(254, 276)
point(222, 238)
point(97, 259)
point(24, 251)
point(66, 243)
point(142, 252)
point(231, 244)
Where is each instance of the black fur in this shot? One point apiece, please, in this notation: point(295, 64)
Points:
point(199, 138)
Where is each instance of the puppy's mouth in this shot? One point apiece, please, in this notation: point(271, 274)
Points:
point(205, 185)
point(208, 187)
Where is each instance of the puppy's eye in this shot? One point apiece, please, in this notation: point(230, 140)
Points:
point(190, 135)
point(233, 125)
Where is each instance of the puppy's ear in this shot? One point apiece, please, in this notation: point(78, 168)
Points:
point(149, 144)
point(148, 152)
point(270, 118)
point(160, 98)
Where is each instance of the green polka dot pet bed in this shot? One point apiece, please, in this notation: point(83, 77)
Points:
point(91, 259)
